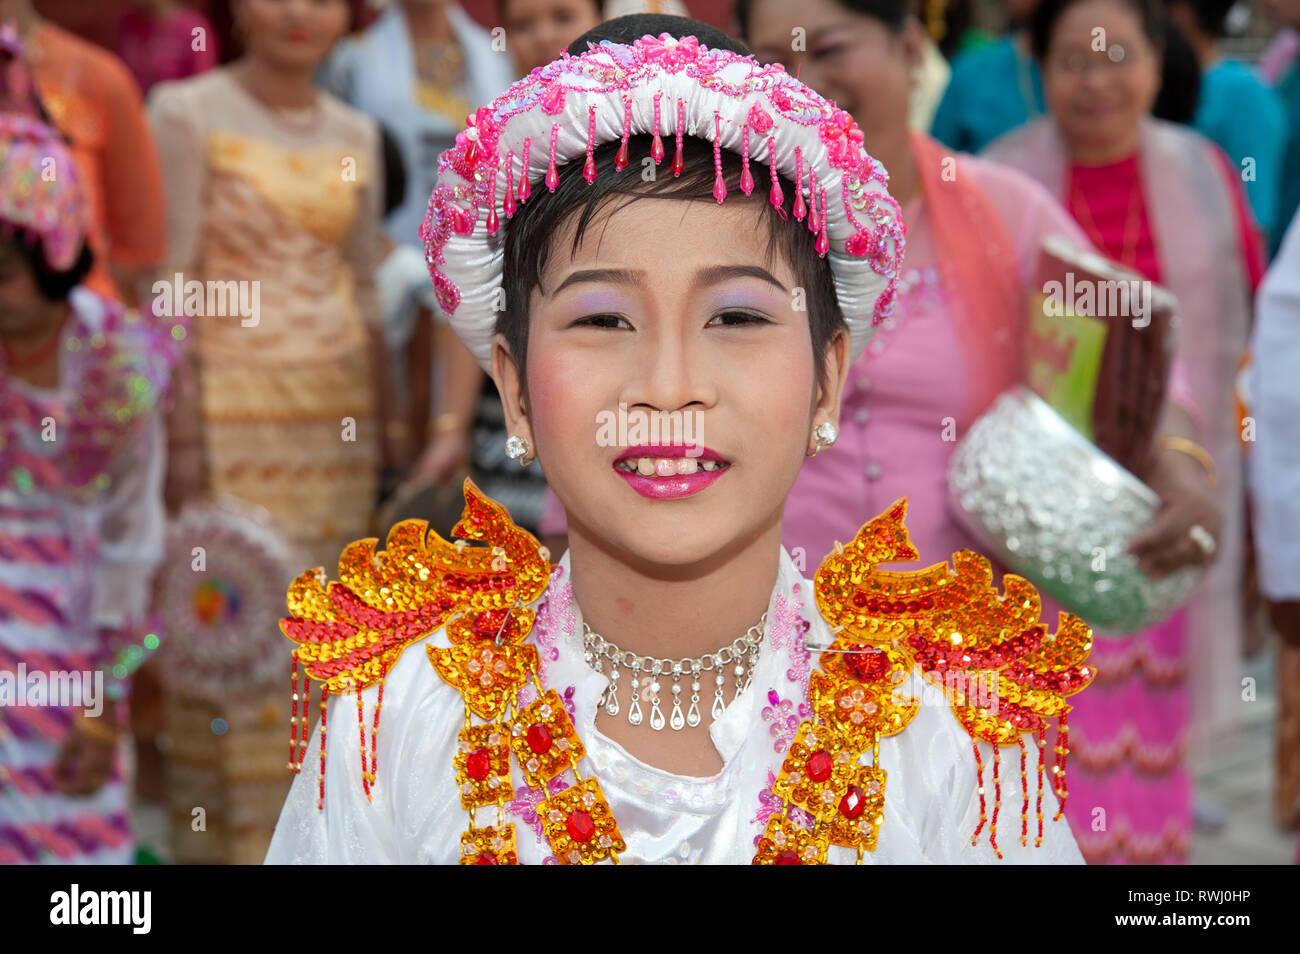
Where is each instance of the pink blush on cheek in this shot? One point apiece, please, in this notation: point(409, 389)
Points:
point(563, 401)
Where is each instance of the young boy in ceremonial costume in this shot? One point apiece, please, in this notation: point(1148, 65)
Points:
point(670, 228)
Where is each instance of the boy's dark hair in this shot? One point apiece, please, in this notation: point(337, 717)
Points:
point(529, 234)
point(53, 285)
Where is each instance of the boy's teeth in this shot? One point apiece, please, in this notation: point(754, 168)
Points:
point(668, 466)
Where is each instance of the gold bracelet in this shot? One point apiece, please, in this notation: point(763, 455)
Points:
point(96, 729)
point(446, 421)
point(1195, 451)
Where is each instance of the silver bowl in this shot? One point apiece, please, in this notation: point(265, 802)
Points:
point(1058, 511)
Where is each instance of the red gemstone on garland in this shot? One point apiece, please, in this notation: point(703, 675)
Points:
point(479, 764)
point(581, 826)
point(786, 857)
point(854, 803)
point(866, 663)
point(819, 765)
point(486, 858)
point(539, 738)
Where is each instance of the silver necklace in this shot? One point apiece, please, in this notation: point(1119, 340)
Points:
point(646, 670)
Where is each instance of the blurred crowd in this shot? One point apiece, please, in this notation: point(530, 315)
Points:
point(258, 170)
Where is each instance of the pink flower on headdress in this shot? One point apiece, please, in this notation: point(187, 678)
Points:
point(781, 99)
point(759, 120)
point(843, 139)
point(669, 52)
point(479, 138)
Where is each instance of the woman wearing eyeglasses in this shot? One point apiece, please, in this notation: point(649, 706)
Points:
point(1163, 201)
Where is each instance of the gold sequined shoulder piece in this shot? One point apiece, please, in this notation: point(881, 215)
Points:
point(990, 656)
point(350, 632)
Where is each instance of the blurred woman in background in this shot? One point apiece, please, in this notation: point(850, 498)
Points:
point(1163, 201)
point(274, 189)
point(81, 514)
point(537, 29)
point(91, 98)
point(419, 70)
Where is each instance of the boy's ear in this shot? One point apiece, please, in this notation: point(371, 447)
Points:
point(830, 391)
point(510, 385)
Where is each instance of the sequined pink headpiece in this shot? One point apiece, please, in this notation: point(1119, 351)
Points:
point(668, 87)
point(40, 188)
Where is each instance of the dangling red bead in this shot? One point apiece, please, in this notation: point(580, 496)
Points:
point(620, 160)
point(589, 167)
point(812, 201)
point(492, 221)
point(800, 210)
point(523, 173)
point(657, 146)
point(719, 187)
point(509, 204)
point(746, 179)
point(552, 176)
point(776, 196)
point(678, 163)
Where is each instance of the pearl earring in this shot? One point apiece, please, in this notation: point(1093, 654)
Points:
point(824, 435)
point(518, 448)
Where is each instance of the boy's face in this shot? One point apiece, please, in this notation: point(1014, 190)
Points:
point(670, 306)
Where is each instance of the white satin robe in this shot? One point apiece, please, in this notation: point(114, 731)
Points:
point(931, 798)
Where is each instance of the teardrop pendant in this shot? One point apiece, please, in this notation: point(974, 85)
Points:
point(657, 149)
point(693, 713)
point(492, 221)
point(589, 169)
point(620, 160)
point(634, 713)
point(677, 720)
point(719, 704)
point(678, 163)
point(656, 715)
point(611, 705)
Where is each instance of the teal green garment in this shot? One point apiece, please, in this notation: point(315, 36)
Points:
point(1288, 199)
point(986, 96)
point(1246, 119)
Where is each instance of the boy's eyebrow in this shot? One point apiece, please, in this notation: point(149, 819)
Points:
point(705, 276)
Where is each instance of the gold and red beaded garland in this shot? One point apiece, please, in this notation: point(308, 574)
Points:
point(351, 633)
point(577, 821)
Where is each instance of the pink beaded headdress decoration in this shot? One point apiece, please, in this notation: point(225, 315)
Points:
point(40, 189)
point(671, 88)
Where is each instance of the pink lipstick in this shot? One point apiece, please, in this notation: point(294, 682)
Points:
point(670, 471)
